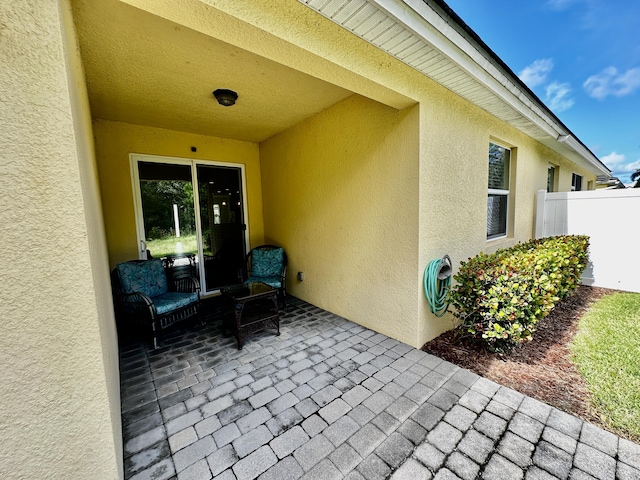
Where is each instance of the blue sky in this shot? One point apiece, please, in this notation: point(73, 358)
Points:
point(581, 57)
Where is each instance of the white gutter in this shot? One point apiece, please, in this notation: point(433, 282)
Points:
point(576, 146)
point(427, 24)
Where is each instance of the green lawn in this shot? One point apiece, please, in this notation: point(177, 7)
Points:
point(606, 351)
point(172, 245)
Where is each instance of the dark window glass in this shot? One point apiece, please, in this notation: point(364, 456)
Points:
point(551, 178)
point(498, 167)
point(576, 182)
point(497, 216)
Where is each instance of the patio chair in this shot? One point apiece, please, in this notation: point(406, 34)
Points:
point(268, 264)
point(143, 294)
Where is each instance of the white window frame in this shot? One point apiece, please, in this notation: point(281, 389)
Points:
point(505, 193)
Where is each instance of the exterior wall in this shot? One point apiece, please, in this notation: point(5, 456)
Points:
point(60, 387)
point(565, 170)
point(115, 141)
point(454, 174)
point(453, 138)
point(361, 195)
point(339, 195)
point(588, 179)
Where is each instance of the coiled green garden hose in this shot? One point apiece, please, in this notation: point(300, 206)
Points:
point(437, 280)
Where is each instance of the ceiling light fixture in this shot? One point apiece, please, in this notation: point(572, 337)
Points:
point(225, 97)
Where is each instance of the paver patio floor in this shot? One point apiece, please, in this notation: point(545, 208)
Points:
point(329, 399)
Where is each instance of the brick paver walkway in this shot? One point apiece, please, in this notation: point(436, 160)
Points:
point(329, 399)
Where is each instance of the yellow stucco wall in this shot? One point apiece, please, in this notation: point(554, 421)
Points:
point(453, 136)
point(95, 226)
point(454, 177)
point(451, 165)
point(361, 195)
point(566, 169)
point(115, 141)
point(60, 386)
point(340, 195)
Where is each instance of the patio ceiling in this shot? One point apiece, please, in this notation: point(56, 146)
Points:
point(146, 70)
point(145, 66)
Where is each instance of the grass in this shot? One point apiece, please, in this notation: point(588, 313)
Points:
point(606, 352)
point(171, 245)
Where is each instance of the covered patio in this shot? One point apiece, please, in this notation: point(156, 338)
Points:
point(352, 152)
point(330, 399)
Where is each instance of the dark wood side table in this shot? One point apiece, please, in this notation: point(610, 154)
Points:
point(255, 308)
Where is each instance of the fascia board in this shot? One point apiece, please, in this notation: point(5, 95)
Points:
point(583, 152)
point(426, 23)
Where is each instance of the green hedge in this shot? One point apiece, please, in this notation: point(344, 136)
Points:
point(500, 297)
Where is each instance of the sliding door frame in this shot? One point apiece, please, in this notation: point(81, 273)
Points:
point(134, 158)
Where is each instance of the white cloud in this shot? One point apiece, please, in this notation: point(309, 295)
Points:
point(631, 167)
point(619, 166)
point(613, 160)
point(610, 82)
point(557, 96)
point(536, 73)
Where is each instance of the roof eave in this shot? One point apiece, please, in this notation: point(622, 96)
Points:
point(565, 135)
point(502, 80)
point(432, 24)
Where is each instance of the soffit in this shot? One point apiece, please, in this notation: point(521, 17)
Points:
point(379, 27)
point(146, 70)
point(424, 37)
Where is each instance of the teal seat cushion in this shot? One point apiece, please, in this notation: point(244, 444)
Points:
point(267, 263)
point(274, 281)
point(171, 301)
point(146, 277)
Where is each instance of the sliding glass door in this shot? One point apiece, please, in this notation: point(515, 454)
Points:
point(199, 231)
point(168, 212)
point(222, 224)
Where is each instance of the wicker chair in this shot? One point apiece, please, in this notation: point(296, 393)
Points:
point(268, 264)
point(143, 294)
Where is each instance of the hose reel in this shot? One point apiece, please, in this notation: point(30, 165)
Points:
point(437, 280)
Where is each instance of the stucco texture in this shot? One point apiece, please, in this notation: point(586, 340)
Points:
point(362, 195)
point(291, 34)
point(115, 141)
point(454, 178)
point(453, 137)
point(340, 194)
point(57, 347)
point(314, 174)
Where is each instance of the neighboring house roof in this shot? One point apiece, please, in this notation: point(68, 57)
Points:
point(430, 37)
point(609, 183)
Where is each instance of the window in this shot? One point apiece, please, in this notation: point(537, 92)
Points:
point(498, 192)
point(551, 178)
point(576, 182)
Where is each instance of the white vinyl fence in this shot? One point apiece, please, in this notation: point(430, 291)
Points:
point(611, 218)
